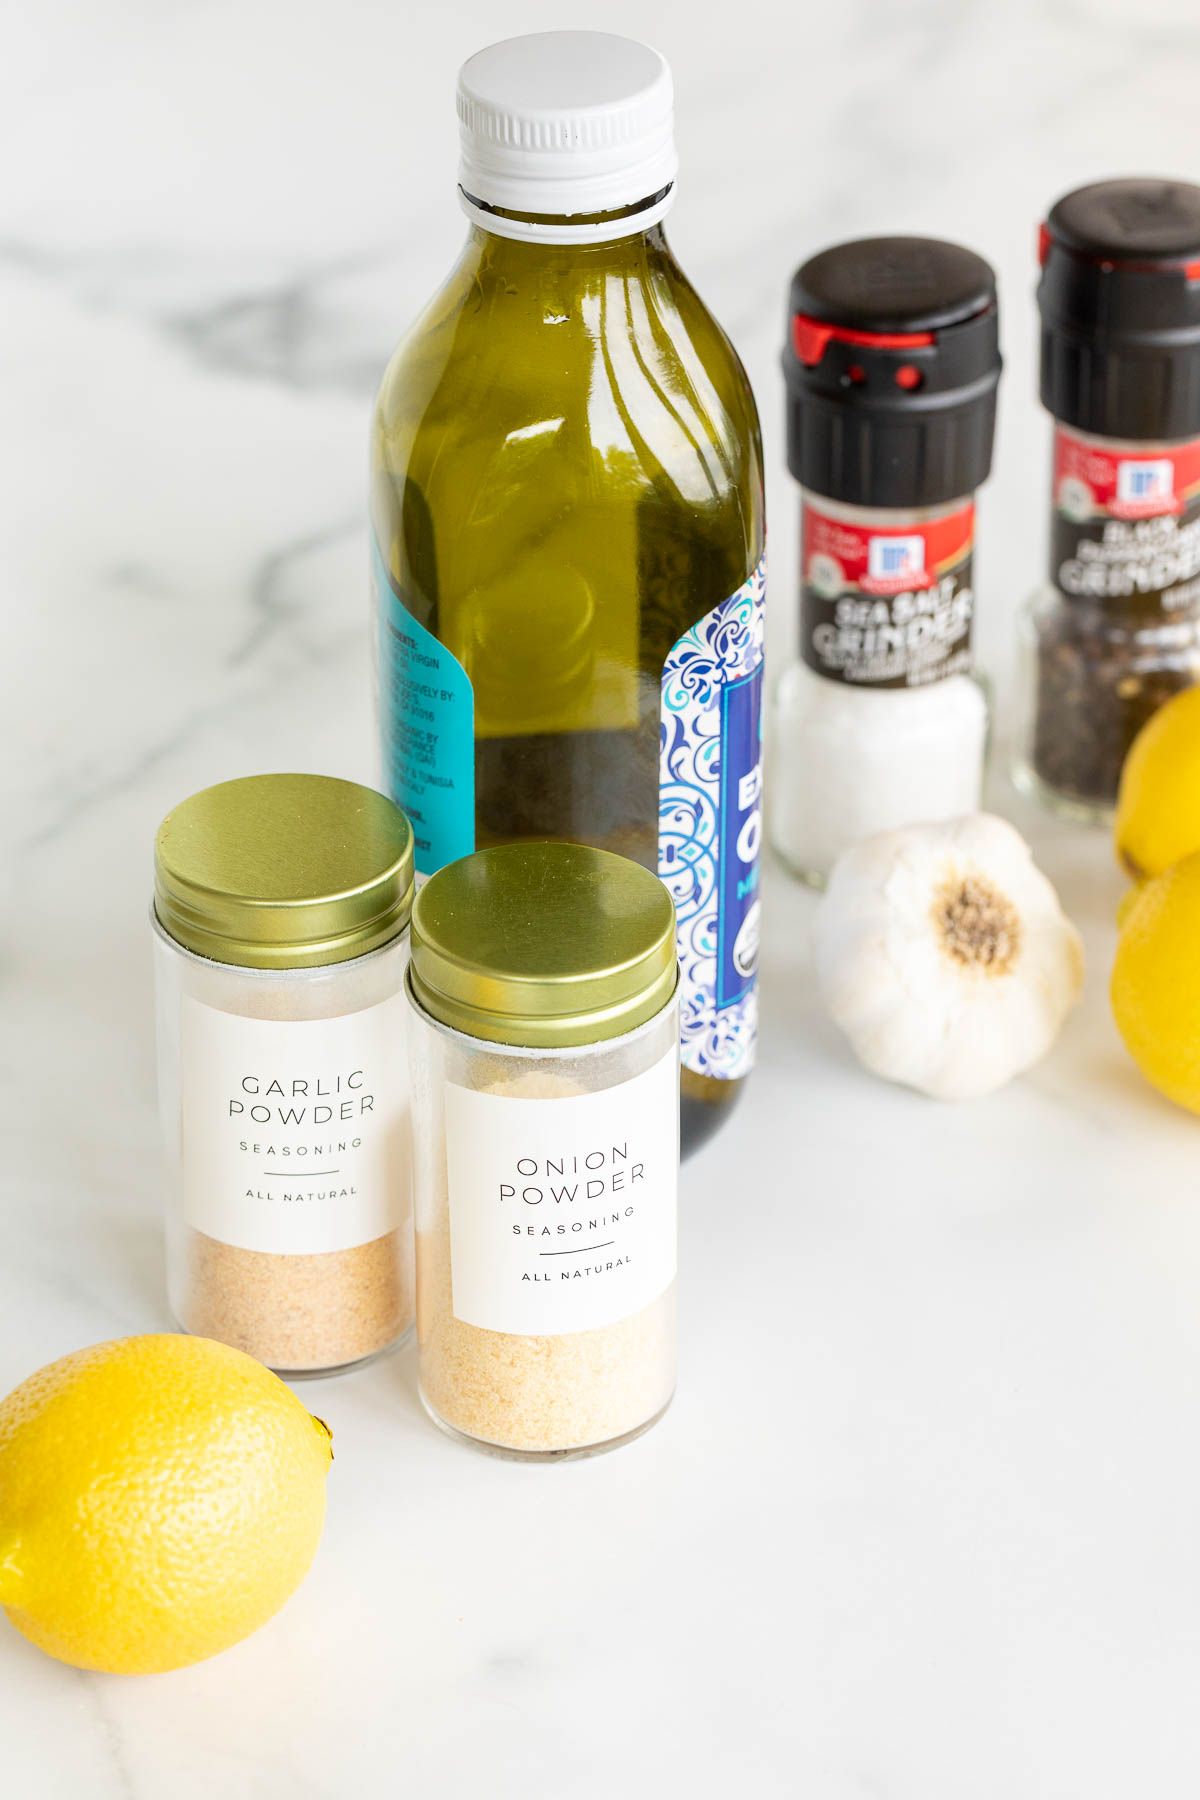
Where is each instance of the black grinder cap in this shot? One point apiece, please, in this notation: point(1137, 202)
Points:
point(892, 364)
point(1120, 303)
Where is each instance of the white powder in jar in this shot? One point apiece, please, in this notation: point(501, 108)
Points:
point(853, 761)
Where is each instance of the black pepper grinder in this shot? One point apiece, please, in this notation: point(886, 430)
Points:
point(1117, 630)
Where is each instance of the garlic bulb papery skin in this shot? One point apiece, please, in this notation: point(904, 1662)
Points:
point(943, 954)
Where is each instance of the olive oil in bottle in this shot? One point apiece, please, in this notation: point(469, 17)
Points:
point(568, 528)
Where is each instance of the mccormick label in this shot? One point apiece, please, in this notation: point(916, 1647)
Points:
point(1126, 527)
point(710, 826)
point(889, 609)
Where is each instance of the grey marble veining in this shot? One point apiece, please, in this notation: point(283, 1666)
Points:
point(921, 1522)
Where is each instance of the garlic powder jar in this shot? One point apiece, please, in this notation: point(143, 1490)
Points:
point(545, 1060)
point(281, 916)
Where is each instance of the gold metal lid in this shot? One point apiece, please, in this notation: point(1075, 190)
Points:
point(543, 945)
point(284, 871)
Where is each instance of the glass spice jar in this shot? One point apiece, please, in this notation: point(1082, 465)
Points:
point(281, 917)
point(545, 1061)
point(1116, 632)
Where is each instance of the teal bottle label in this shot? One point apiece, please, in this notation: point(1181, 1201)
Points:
point(427, 720)
point(710, 826)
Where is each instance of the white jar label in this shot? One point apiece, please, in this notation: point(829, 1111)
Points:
point(296, 1131)
point(562, 1206)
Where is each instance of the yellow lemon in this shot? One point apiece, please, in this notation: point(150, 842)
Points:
point(160, 1498)
point(1158, 803)
point(1156, 981)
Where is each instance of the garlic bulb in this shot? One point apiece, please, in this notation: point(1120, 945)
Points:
point(945, 957)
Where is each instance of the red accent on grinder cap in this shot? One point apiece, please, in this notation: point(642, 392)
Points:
point(812, 337)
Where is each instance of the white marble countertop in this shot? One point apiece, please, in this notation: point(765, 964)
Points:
point(923, 1521)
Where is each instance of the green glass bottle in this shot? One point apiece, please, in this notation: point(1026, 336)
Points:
point(568, 528)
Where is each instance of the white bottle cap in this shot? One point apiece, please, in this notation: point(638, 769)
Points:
point(562, 123)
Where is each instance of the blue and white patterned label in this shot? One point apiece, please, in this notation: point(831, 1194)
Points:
point(710, 826)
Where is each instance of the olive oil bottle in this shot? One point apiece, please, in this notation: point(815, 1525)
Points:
point(568, 528)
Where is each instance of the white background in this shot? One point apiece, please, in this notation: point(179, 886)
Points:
point(924, 1522)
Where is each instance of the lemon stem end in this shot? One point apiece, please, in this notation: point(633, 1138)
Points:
point(325, 1432)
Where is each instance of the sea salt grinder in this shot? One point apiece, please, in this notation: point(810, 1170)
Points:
point(545, 1059)
point(892, 364)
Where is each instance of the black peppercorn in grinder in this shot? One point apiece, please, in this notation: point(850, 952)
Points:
point(1116, 631)
point(892, 364)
